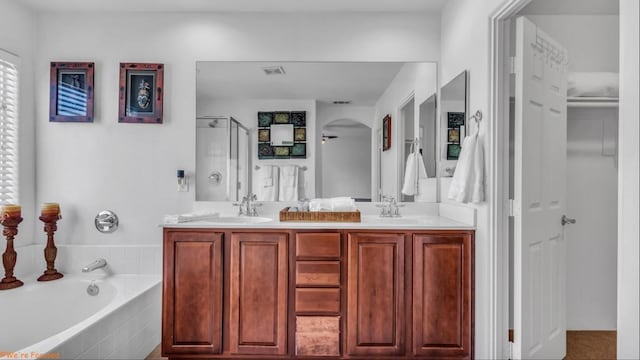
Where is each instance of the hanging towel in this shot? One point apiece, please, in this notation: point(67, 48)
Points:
point(267, 183)
point(467, 184)
point(182, 218)
point(414, 171)
point(288, 183)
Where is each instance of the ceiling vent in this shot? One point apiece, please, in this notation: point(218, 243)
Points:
point(342, 102)
point(273, 70)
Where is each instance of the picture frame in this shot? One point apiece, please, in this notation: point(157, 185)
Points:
point(141, 93)
point(265, 119)
point(453, 151)
point(300, 134)
point(453, 135)
point(71, 92)
point(299, 150)
point(264, 135)
point(455, 119)
point(386, 133)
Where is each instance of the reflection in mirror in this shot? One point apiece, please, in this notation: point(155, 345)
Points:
point(335, 111)
point(453, 122)
point(346, 160)
point(222, 164)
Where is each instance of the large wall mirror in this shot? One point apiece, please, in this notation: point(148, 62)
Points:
point(293, 130)
point(453, 121)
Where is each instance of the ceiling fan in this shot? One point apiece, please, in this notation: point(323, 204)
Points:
point(326, 137)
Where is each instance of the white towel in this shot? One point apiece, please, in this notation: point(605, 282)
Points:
point(593, 84)
point(333, 204)
point(467, 184)
point(267, 183)
point(182, 218)
point(288, 183)
point(414, 171)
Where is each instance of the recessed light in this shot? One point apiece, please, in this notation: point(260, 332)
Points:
point(342, 102)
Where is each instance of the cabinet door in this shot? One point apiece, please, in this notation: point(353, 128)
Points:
point(192, 292)
point(258, 293)
point(375, 294)
point(442, 275)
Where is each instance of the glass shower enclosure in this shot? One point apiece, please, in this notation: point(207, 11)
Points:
point(222, 159)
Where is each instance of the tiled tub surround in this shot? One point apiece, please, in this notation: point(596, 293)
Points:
point(122, 321)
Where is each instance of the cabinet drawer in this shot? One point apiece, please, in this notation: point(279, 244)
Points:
point(318, 273)
point(326, 301)
point(318, 245)
point(318, 335)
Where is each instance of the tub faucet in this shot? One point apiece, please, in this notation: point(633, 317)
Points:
point(100, 263)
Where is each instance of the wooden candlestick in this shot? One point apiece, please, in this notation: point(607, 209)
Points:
point(50, 252)
point(10, 230)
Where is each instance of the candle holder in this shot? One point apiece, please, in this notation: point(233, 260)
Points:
point(9, 257)
point(50, 252)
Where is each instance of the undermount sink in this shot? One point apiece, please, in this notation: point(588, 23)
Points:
point(240, 220)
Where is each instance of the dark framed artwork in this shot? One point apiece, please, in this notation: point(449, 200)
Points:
point(453, 135)
point(386, 133)
point(265, 151)
point(265, 119)
point(71, 92)
point(141, 93)
point(298, 118)
point(453, 151)
point(299, 134)
point(264, 135)
point(455, 119)
point(281, 117)
point(281, 151)
point(299, 150)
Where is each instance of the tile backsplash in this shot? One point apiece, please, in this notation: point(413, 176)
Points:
point(121, 259)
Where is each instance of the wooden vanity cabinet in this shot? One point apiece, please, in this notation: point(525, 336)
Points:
point(192, 292)
point(351, 294)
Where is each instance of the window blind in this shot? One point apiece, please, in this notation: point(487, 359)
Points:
point(8, 128)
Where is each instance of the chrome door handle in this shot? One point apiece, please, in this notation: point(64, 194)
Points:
point(565, 220)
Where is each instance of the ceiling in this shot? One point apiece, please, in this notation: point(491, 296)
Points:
point(360, 83)
point(237, 5)
point(572, 7)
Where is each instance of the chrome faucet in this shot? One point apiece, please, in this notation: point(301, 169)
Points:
point(100, 263)
point(248, 205)
point(390, 207)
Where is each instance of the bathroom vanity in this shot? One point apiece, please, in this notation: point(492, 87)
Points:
point(299, 290)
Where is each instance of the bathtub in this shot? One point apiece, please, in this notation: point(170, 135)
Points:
point(58, 319)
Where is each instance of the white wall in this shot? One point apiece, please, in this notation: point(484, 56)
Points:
point(327, 113)
point(419, 80)
point(17, 35)
point(130, 168)
point(465, 46)
point(592, 199)
point(246, 112)
point(628, 230)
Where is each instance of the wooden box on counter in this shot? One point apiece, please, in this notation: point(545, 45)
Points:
point(320, 216)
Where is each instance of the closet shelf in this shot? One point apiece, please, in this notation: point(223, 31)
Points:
point(584, 102)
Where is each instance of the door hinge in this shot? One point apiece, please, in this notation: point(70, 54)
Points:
point(512, 65)
point(512, 208)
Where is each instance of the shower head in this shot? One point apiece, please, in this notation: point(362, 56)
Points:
point(213, 123)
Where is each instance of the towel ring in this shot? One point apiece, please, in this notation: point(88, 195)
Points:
point(477, 116)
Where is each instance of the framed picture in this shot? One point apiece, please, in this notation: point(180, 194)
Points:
point(453, 151)
point(299, 150)
point(455, 119)
point(265, 151)
point(281, 151)
point(281, 117)
point(264, 135)
point(265, 119)
point(299, 118)
point(386, 133)
point(71, 92)
point(300, 134)
point(141, 93)
point(454, 136)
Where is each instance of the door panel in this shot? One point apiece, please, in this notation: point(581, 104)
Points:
point(442, 275)
point(258, 293)
point(192, 317)
point(540, 195)
point(375, 294)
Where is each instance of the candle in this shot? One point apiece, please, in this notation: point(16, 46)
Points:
point(11, 211)
point(50, 209)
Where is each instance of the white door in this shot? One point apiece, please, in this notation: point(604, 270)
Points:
point(540, 195)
